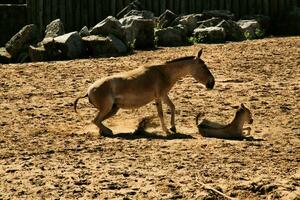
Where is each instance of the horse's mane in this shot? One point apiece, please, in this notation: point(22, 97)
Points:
point(181, 59)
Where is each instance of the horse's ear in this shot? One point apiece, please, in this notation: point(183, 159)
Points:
point(242, 105)
point(199, 53)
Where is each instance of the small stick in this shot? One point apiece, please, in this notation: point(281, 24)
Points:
point(214, 190)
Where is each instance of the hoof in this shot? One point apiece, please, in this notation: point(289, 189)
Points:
point(106, 133)
point(173, 129)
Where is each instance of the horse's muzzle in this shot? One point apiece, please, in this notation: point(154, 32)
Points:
point(210, 84)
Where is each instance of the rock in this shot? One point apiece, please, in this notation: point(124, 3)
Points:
point(37, 53)
point(5, 57)
point(166, 19)
point(126, 21)
point(189, 22)
point(84, 32)
point(109, 25)
point(140, 33)
point(98, 46)
point(145, 14)
point(264, 21)
point(70, 45)
point(117, 44)
point(233, 31)
point(171, 36)
point(223, 14)
point(210, 35)
point(251, 29)
point(210, 22)
point(21, 41)
point(54, 29)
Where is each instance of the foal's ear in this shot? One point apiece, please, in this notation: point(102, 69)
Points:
point(199, 53)
point(242, 105)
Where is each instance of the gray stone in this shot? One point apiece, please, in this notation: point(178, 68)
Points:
point(166, 19)
point(263, 20)
point(109, 25)
point(5, 57)
point(233, 31)
point(210, 35)
point(140, 33)
point(251, 28)
point(21, 41)
point(145, 14)
point(84, 32)
point(171, 36)
point(37, 53)
point(70, 45)
point(209, 22)
point(98, 46)
point(126, 21)
point(223, 14)
point(190, 22)
point(117, 44)
point(54, 29)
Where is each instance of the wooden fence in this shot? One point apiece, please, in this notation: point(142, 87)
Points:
point(77, 13)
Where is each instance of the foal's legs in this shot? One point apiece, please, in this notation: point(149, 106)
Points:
point(168, 101)
point(161, 115)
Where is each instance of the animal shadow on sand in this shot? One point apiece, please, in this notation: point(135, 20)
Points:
point(140, 134)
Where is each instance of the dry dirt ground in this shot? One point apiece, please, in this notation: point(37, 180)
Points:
point(49, 152)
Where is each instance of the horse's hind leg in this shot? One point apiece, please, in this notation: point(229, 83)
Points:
point(101, 116)
point(161, 115)
point(168, 101)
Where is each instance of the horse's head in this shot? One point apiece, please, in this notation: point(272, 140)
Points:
point(201, 73)
point(246, 114)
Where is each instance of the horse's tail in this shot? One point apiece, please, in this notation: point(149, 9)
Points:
point(75, 102)
point(197, 118)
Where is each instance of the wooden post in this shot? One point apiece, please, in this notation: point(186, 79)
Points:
point(170, 5)
point(274, 8)
point(77, 15)
point(84, 14)
point(214, 5)
point(199, 6)
point(69, 24)
point(47, 13)
point(243, 7)
point(149, 5)
point(62, 11)
point(91, 12)
point(177, 6)
point(40, 6)
point(236, 8)
point(259, 6)
point(183, 7)
point(98, 11)
point(55, 10)
point(155, 7)
point(192, 6)
point(251, 7)
point(163, 6)
point(228, 5)
point(222, 4)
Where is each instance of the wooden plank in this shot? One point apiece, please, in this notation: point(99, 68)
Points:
point(274, 8)
point(214, 5)
point(251, 7)
point(69, 16)
point(84, 13)
point(62, 10)
point(113, 8)
point(266, 7)
point(243, 7)
point(91, 13)
point(183, 7)
point(221, 4)
point(155, 8)
point(192, 6)
point(77, 15)
point(29, 11)
point(98, 11)
point(148, 5)
point(170, 5)
point(236, 8)
point(199, 6)
point(228, 5)
point(259, 7)
point(294, 4)
point(47, 12)
point(40, 6)
point(177, 6)
point(163, 6)
point(281, 7)
point(54, 10)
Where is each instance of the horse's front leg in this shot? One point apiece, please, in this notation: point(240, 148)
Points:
point(161, 115)
point(168, 101)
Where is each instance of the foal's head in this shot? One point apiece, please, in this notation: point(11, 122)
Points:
point(245, 114)
point(201, 73)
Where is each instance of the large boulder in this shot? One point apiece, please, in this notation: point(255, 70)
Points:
point(210, 35)
point(70, 45)
point(145, 14)
point(109, 25)
point(5, 57)
point(251, 29)
point(98, 46)
point(21, 41)
point(84, 32)
point(223, 14)
point(209, 22)
point(263, 20)
point(55, 28)
point(233, 31)
point(140, 33)
point(171, 36)
point(38, 53)
point(189, 22)
point(166, 19)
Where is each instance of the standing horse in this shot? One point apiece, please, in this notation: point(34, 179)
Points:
point(138, 87)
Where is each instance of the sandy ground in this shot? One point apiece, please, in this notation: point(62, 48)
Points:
point(49, 152)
